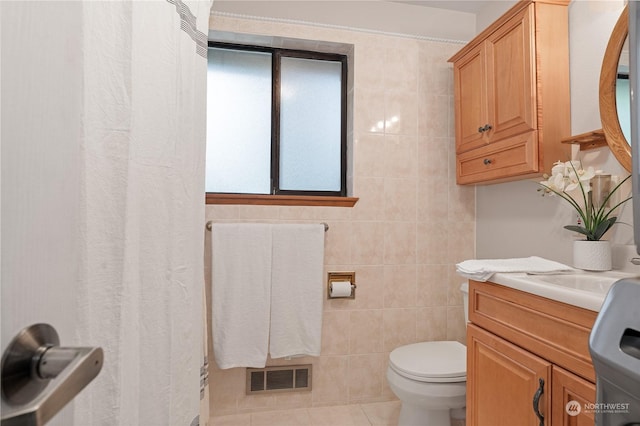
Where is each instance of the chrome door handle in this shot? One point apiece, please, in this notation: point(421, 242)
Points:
point(30, 362)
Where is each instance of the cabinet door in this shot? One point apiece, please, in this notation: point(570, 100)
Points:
point(569, 388)
point(511, 82)
point(470, 100)
point(502, 380)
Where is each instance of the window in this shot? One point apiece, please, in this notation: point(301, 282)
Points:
point(276, 121)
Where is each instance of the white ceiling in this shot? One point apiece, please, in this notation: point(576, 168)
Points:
point(468, 6)
point(446, 19)
point(378, 15)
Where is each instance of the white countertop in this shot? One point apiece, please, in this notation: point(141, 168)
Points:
point(578, 288)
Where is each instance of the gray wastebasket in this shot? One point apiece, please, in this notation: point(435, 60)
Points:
point(614, 344)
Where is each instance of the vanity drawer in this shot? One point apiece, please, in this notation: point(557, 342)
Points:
point(514, 156)
point(552, 330)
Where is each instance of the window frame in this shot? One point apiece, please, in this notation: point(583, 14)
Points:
point(275, 191)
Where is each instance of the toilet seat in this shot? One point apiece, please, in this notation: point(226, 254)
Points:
point(434, 362)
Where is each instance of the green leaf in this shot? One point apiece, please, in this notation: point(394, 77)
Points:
point(603, 227)
point(579, 229)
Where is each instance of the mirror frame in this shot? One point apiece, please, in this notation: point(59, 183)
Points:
point(608, 75)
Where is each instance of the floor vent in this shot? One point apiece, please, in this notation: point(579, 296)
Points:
point(279, 379)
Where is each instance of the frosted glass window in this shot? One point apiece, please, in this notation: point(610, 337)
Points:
point(275, 121)
point(238, 121)
point(310, 124)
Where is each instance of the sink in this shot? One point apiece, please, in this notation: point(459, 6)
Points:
point(578, 288)
point(591, 282)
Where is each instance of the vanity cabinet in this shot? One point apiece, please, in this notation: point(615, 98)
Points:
point(502, 380)
point(512, 104)
point(526, 352)
point(568, 387)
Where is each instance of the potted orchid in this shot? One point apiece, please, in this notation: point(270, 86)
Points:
point(590, 194)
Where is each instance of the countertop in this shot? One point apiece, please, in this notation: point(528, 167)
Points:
point(578, 288)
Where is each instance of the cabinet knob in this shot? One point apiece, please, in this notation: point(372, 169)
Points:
point(485, 128)
point(487, 161)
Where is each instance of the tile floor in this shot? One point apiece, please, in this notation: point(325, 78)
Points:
point(372, 414)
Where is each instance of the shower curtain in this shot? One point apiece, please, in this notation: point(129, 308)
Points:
point(142, 202)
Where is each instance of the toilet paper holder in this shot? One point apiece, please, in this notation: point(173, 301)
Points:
point(339, 279)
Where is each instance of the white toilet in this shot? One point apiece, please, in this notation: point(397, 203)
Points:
point(430, 379)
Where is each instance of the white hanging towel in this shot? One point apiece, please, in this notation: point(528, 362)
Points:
point(241, 293)
point(297, 290)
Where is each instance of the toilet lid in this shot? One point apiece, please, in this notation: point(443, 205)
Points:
point(431, 361)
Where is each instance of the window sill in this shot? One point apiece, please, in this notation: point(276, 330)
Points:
point(280, 200)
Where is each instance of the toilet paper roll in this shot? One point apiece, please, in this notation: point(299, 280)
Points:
point(340, 289)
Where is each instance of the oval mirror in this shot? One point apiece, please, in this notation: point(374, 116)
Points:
point(614, 92)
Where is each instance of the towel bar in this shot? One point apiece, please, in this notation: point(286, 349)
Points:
point(210, 223)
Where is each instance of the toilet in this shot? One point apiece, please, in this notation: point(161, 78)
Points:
point(430, 379)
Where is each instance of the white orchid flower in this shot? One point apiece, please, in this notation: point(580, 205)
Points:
point(580, 177)
point(571, 165)
point(557, 182)
point(570, 176)
point(573, 184)
point(558, 168)
point(586, 175)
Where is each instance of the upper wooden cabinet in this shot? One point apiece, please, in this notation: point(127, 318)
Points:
point(512, 102)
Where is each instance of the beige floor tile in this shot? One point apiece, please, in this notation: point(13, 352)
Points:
point(370, 414)
point(296, 417)
point(382, 413)
point(231, 420)
point(341, 415)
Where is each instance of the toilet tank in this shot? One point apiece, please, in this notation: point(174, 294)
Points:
point(464, 288)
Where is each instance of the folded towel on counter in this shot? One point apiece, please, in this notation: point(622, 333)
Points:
point(241, 293)
point(296, 290)
point(483, 269)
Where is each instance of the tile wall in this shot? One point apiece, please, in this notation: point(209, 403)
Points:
point(403, 237)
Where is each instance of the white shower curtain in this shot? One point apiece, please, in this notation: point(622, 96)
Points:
point(143, 210)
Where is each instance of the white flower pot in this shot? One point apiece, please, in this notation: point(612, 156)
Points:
point(592, 255)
